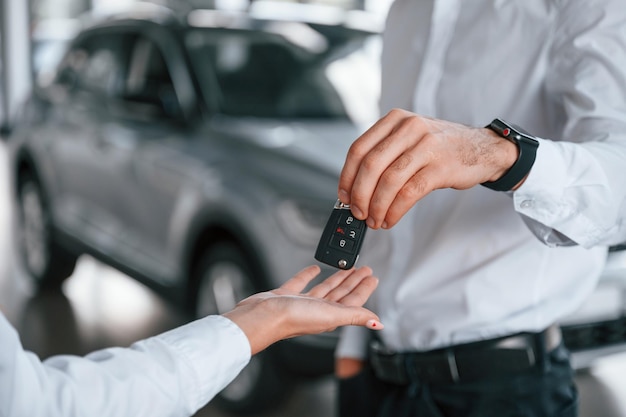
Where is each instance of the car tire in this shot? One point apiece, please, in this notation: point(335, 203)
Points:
point(44, 259)
point(223, 277)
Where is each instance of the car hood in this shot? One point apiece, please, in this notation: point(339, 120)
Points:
point(321, 143)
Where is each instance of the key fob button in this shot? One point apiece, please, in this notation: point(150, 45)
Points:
point(347, 232)
point(341, 242)
point(347, 219)
point(353, 234)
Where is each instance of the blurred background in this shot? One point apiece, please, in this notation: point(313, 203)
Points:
point(87, 303)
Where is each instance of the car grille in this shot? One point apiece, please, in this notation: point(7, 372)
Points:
point(594, 335)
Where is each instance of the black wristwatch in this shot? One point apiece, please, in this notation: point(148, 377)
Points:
point(527, 146)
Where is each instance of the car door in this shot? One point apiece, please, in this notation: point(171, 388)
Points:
point(155, 109)
point(83, 141)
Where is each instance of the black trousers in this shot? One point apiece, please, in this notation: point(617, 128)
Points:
point(547, 390)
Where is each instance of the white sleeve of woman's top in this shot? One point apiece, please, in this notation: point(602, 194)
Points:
point(576, 191)
point(172, 374)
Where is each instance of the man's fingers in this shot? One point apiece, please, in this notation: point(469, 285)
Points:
point(403, 157)
point(346, 367)
point(361, 147)
point(415, 189)
point(402, 176)
point(299, 281)
point(393, 156)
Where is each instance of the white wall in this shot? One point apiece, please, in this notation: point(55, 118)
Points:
point(15, 57)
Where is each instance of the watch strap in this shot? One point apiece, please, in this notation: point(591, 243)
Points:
point(527, 146)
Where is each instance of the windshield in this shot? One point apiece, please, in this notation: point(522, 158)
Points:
point(258, 74)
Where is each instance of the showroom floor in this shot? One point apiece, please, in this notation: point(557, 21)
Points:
point(100, 307)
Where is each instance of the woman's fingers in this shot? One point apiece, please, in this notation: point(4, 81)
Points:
point(361, 293)
point(298, 282)
point(340, 283)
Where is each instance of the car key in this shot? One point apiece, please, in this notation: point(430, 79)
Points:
point(341, 239)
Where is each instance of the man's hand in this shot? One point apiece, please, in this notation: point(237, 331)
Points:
point(348, 367)
point(286, 312)
point(403, 157)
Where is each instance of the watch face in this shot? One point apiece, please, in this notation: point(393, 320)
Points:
point(510, 131)
point(522, 131)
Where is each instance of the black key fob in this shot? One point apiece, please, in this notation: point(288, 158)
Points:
point(341, 239)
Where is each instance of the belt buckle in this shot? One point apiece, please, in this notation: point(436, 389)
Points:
point(377, 347)
point(387, 364)
point(404, 368)
point(454, 370)
point(443, 367)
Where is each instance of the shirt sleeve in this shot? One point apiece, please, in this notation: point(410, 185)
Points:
point(576, 193)
point(353, 342)
point(172, 374)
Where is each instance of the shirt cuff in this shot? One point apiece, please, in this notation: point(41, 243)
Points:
point(215, 350)
point(353, 342)
point(546, 202)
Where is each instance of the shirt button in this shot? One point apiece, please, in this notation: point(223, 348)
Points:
point(526, 204)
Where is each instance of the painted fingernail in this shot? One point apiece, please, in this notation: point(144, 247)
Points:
point(343, 196)
point(374, 325)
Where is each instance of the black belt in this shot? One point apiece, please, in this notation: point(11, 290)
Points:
point(466, 362)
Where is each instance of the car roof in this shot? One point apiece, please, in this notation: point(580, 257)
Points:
point(336, 25)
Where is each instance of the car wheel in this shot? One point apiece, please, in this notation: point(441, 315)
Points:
point(223, 278)
point(47, 262)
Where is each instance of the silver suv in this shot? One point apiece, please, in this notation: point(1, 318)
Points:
point(197, 153)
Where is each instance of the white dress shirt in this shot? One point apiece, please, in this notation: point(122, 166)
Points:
point(468, 265)
point(173, 374)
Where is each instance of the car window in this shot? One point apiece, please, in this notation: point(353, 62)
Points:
point(126, 68)
point(149, 81)
point(96, 65)
point(262, 75)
